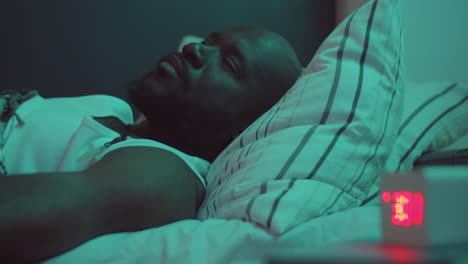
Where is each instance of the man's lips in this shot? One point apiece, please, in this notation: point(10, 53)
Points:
point(170, 66)
point(171, 71)
point(175, 61)
point(168, 69)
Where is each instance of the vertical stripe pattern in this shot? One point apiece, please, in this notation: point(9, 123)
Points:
point(329, 105)
point(321, 147)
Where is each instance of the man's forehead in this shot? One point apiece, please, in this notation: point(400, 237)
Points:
point(247, 33)
point(257, 48)
point(246, 42)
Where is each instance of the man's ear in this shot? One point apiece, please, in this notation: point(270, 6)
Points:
point(187, 40)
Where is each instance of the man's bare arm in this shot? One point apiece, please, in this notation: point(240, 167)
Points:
point(44, 214)
point(130, 189)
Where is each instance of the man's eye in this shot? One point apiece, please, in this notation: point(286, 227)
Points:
point(206, 42)
point(230, 65)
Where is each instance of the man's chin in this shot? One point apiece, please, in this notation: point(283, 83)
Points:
point(143, 91)
point(153, 103)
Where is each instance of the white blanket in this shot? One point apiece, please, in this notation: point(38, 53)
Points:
point(223, 241)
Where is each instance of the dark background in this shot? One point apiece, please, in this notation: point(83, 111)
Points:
point(74, 48)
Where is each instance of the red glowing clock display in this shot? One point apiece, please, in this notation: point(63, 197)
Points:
point(407, 207)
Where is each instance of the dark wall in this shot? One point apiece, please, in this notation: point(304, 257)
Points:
point(73, 48)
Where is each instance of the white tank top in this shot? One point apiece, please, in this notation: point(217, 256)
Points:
point(60, 134)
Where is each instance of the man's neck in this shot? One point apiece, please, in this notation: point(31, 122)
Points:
point(144, 130)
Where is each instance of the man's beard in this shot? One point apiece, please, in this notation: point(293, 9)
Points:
point(158, 105)
point(180, 123)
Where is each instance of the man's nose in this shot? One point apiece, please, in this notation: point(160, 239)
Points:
point(196, 54)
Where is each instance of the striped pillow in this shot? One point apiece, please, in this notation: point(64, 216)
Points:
point(323, 145)
point(434, 116)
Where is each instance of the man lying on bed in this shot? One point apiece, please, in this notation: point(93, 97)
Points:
point(223, 84)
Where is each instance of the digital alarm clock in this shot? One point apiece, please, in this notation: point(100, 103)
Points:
point(427, 207)
point(424, 220)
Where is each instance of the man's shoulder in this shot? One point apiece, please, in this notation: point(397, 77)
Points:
point(133, 159)
point(159, 174)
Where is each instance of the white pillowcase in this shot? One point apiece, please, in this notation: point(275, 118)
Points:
point(435, 114)
point(322, 147)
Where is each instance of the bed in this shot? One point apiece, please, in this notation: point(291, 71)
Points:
point(317, 166)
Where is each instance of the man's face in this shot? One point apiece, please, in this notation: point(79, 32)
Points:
point(226, 78)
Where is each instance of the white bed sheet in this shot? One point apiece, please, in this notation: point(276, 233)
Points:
point(223, 241)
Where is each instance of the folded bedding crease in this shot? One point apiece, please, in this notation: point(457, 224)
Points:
point(215, 241)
